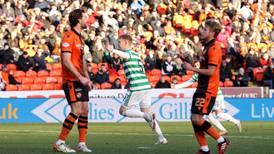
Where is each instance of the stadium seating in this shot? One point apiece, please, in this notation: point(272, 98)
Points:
point(40, 80)
point(56, 66)
point(11, 88)
point(31, 73)
point(51, 80)
point(43, 73)
point(55, 73)
point(28, 80)
point(179, 79)
point(49, 66)
point(12, 67)
point(24, 87)
point(228, 83)
point(48, 87)
point(186, 77)
point(155, 72)
point(106, 85)
point(19, 74)
point(167, 78)
point(36, 87)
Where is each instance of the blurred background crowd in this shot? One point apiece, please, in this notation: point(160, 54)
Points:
point(163, 31)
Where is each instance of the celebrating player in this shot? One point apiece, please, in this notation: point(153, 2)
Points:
point(139, 87)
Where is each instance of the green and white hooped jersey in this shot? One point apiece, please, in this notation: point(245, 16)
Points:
point(135, 72)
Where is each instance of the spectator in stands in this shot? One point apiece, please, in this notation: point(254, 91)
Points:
point(12, 80)
point(265, 60)
point(162, 83)
point(178, 68)
point(39, 61)
point(102, 76)
point(226, 69)
point(252, 61)
point(116, 84)
point(150, 61)
point(136, 6)
point(6, 55)
point(268, 78)
point(24, 62)
point(90, 73)
point(167, 66)
point(241, 80)
point(116, 62)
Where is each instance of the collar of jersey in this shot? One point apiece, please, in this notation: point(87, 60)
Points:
point(76, 32)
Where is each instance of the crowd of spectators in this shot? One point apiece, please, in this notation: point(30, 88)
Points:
point(163, 31)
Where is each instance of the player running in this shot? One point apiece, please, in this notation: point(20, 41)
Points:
point(139, 87)
point(218, 107)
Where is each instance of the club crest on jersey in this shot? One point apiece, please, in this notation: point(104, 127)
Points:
point(65, 44)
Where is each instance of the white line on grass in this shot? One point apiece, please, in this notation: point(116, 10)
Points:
point(135, 134)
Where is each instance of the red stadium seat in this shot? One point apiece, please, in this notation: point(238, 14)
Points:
point(43, 73)
point(189, 72)
point(56, 66)
point(58, 86)
point(23, 87)
point(27, 80)
point(12, 67)
point(93, 65)
point(19, 74)
point(155, 72)
point(259, 76)
point(228, 83)
point(11, 88)
point(41, 80)
point(221, 84)
point(31, 73)
point(106, 85)
point(36, 87)
point(56, 73)
point(51, 80)
point(153, 79)
point(48, 87)
point(49, 66)
point(112, 78)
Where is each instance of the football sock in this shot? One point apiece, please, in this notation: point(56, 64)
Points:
point(82, 128)
point(158, 131)
point(205, 148)
point(67, 126)
point(200, 135)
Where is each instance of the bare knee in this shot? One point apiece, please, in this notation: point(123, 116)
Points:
point(122, 110)
point(196, 119)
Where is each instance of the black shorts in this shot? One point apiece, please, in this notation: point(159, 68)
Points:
point(75, 91)
point(202, 103)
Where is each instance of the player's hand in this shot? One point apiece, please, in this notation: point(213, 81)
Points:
point(187, 66)
point(85, 81)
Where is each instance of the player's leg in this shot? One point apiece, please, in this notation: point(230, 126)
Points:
point(83, 128)
point(217, 123)
point(69, 89)
point(220, 106)
point(202, 105)
point(150, 117)
point(127, 109)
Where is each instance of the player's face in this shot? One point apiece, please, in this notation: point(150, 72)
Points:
point(124, 44)
point(205, 33)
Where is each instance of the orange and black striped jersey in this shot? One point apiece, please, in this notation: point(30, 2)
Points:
point(212, 55)
point(72, 43)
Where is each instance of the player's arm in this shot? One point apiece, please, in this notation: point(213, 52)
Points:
point(85, 67)
point(208, 72)
point(66, 61)
point(120, 53)
point(214, 54)
point(186, 83)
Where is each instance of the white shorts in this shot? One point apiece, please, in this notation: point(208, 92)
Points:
point(219, 103)
point(137, 98)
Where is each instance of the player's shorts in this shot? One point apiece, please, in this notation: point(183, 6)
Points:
point(219, 103)
point(75, 91)
point(137, 98)
point(202, 103)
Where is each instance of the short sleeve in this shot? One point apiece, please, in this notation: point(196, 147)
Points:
point(214, 54)
point(67, 43)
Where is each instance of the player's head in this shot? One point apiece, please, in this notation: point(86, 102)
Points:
point(209, 30)
point(125, 42)
point(76, 18)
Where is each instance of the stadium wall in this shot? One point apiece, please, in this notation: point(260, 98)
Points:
point(167, 105)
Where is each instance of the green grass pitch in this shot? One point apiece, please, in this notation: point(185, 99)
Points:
point(134, 138)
